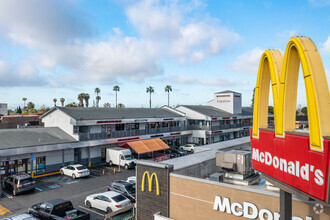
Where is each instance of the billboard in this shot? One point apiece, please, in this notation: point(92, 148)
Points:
point(298, 160)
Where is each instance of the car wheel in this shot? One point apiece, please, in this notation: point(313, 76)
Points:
point(61, 171)
point(110, 163)
point(192, 150)
point(88, 204)
point(14, 192)
point(109, 210)
point(74, 176)
point(126, 167)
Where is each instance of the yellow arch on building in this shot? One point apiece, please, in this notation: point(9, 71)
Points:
point(300, 50)
point(150, 178)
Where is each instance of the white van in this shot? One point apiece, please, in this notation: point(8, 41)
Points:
point(120, 156)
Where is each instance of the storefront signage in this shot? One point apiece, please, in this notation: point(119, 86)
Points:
point(150, 178)
point(108, 122)
point(141, 120)
point(168, 119)
point(297, 160)
point(247, 210)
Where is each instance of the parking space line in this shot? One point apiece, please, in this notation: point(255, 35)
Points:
point(39, 189)
point(3, 210)
point(91, 210)
point(67, 181)
point(7, 195)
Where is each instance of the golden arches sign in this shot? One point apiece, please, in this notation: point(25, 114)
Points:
point(150, 178)
point(283, 75)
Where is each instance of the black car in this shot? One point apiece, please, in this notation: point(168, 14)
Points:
point(171, 153)
point(179, 152)
point(126, 188)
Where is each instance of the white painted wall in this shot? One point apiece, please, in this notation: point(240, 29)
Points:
point(3, 109)
point(59, 119)
point(229, 102)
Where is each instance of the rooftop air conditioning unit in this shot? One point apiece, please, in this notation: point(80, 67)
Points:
point(237, 161)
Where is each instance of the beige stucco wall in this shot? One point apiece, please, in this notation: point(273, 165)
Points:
point(194, 199)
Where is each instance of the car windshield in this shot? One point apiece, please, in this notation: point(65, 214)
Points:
point(129, 157)
point(118, 198)
point(130, 188)
point(27, 180)
point(81, 168)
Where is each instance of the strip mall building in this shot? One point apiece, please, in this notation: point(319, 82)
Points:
point(82, 135)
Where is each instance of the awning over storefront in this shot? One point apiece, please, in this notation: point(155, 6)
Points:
point(146, 146)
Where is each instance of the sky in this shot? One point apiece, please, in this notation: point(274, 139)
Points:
point(58, 49)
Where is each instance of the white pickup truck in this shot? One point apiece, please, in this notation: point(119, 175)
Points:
point(120, 156)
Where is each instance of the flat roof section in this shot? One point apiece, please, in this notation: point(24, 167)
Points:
point(146, 146)
point(114, 113)
point(25, 137)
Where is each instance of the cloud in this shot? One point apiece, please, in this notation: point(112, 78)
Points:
point(58, 34)
point(326, 46)
point(19, 75)
point(320, 3)
point(247, 62)
point(287, 34)
point(208, 82)
point(171, 28)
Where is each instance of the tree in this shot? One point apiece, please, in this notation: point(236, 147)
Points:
point(86, 97)
point(55, 100)
point(168, 89)
point(304, 110)
point(106, 105)
point(98, 98)
point(62, 100)
point(81, 99)
point(24, 112)
point(24, 100)
point(72, 104)
point(252, 100)
point(30, 105)
point(32, 111)
point(150, 90)
point(18, 110)
point(97, 91)
point(271, 109)
point(120, 105)
point(116, 88)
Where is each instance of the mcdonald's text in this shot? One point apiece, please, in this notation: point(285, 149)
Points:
point(295, 168)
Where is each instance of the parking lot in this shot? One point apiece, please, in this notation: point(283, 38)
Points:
point(58, 186)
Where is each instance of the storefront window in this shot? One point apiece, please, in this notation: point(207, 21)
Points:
point(41, 164)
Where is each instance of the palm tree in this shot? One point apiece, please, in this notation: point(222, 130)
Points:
point(81, 99)
point(106, 105)
point(116, 89)
point(24, 100)
point(120, 105)
point(55, 100)
point(150, 90)
point(97, 90)
point(62, 100)
point(98, 98)
point(86, 97)
point(168, 89)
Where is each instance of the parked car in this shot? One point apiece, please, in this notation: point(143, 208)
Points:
point(189, 147)
point(120, 186)
point(131, 179)
point(75, 171)
point(107, 201)
point(179, 152)
point(57, 209)
point(18, 183)
point(22, 216)
point(171, 153)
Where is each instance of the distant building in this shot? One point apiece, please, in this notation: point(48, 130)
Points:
point(3, 109)
point(18, 121)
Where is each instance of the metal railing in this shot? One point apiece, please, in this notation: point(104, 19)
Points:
point(128, 133)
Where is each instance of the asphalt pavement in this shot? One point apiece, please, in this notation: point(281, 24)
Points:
point(58, 186)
